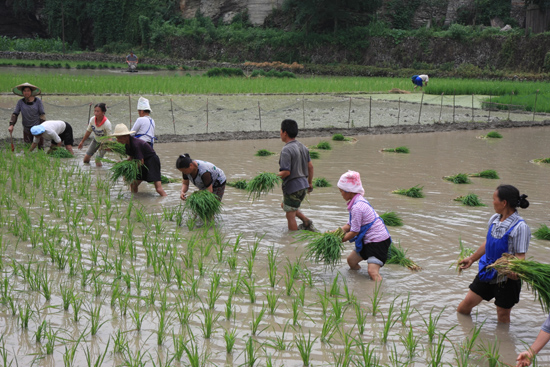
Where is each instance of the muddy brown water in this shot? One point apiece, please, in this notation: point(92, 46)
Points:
point(432, 229)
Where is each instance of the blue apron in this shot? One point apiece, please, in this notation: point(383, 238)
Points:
point(494, 248)
point(149, 128)
point(364, 229)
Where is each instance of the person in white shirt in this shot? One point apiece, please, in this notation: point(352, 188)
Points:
point(59, 132)
point(144, 125)
point(101, 127)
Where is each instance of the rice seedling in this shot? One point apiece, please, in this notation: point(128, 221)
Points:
point(250, 353)
point(295, 308)
point(413, 192)
point(256, 320)
point(344, 358)
point(314, 154)
point(323, 247)
point(4, 354)
point(410, 342)
point(403, 150)
point(431, 323)
point(66, 296)
point(76, 303)
point(238, 184)
point(203, 204)
point(460, 178)
point(535, 274)
point(398, 255)
point(95, 318)
point(128, 170)
point(263, 153)
point(463, 350)
point(361, 317)
point(230, 337)
point(262, 184)
point(405, 310)
point(321, 182)
point(389, 321)
point(195, 358)
point(207, 322)
point(437, 349)
point(134, 359)
point(391, 219)
point(396, 358)
point(367, 357)
point(464, 253)
point(542, 233)
point(250, 288)
point(493, 135)
point(40, 331)
point(59, 152)
point(51, 336)
point(111, 145)
point(305, 347)
point(323, 145)
point(213, 294)
point(272, 265)
point(272, 301)
point(137, 316)
point(376, 298)
point(339, 137)
point(25, 314)
point(338, 309)
point(329, 328)
point(488, 173)
point(279, 342)
point(470, 200)
point(163, 321)
point(491, 353)
point(542, 160)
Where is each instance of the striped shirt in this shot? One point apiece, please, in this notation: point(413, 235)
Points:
point(361, 214)
point(518, 240)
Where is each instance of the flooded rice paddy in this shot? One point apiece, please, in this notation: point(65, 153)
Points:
point(93, 274)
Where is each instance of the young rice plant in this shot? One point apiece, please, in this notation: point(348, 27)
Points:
point(324, 247)
point(203, 204)
point(262, 184)
point(413, 192)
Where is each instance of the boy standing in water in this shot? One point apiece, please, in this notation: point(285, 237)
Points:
point(296, 170)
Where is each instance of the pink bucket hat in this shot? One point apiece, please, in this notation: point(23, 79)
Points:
point(351, 182)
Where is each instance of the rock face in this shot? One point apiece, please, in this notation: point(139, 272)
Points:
point(225, 10)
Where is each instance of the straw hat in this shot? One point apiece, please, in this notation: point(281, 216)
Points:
point(121, 130)
point(143, 104)
point(19, 89)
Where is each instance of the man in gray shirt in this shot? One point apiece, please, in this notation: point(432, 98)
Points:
point(296, 170)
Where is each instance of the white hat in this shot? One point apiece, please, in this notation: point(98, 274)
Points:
point(121, 130)
point(143, 104)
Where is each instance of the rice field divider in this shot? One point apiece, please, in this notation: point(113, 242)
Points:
point(389, 321)
point(262, 184)
point(413, 192)
point(470, 200)
point(535, 274)
point(488, 173)
point(305, 347)
point(542, 233)
point(398, 255)
point(391, 219)
point(376, 297)
point(431, 323)
point(402, 149)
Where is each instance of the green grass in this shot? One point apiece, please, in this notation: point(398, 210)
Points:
point(470, 200)
point(168, 180)
point(404, 150)
point(542, 233)
point(488, 173)
point(391, 219)
point(542, 160)
point(339, 137)
point(321, 182)
point(263, 153)
point(493, 135)
point(203, 204)
point(314, 155)
point(323, 145)
point(128, 170)
point(67, 64)
point(238, 184)
point(60, 152)
point(460, 178)
point(413, 192)
point(398, 255)
point(323, 247)
point(262, 184)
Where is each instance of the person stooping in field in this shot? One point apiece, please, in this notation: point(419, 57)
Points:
point(507, 233)
point(31, 110)
point(100, 125)
point(364, 227)
point(59, 132)
point(296, 170)
point(204, 175)
point(142, 151)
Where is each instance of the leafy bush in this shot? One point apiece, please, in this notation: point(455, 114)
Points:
point(225, 72)
point(458, 32)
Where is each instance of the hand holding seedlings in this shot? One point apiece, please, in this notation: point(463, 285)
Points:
point(204, 175)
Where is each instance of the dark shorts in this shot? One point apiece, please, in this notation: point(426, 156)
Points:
point(291, 202)
point(66, 136)
point(28, 138)
point(378, 250)
point(506, 294)
point(151, 171)
point(219, 191)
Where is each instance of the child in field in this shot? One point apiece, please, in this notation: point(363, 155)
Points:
point(101, 127)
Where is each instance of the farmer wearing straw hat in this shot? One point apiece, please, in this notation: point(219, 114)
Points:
point(59, 132)
point(31, 109)
point(365, 227)
point(144, 125)
point(140, 150)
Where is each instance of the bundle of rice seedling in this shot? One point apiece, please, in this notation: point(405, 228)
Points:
point(323, 247)
point(404, 150)
point(262, 184)
point(238, 184)
point(464, 253)
point(323, 145)
point(542, 160)
point(470, 200)
point(203, 204)
point(535, 274)
point(543, 233)
point(167, 180)
point(128, 170)
point(413, 192)
point(314, 155)
point(397, 255)
point(488, 173)
point(114, 146)
point(460, 178)
point(321, 182)
point(263, 153)
point(494, 135)
point(59, 152)
point(391, 219)
point(338, 137)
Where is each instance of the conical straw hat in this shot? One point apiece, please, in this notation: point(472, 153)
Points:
point(121, 130)
point(19, 89)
